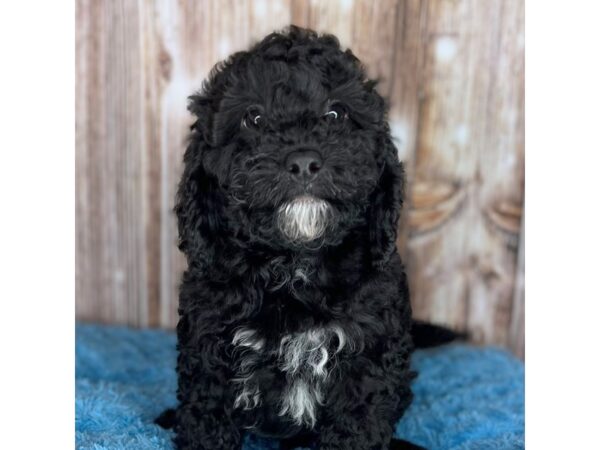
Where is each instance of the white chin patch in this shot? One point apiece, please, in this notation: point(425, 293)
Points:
point(304, 219)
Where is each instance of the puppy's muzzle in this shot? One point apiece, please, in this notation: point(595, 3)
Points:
point(304, 218)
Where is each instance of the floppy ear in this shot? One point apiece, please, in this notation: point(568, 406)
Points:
point(200, 202)
point(386, 203)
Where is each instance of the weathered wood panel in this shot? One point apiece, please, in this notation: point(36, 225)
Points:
point(110, 276)
point(453, 71)
point(467, 189)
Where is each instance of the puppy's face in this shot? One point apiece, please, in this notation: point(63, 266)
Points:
point(295, 136)
point(303, 146)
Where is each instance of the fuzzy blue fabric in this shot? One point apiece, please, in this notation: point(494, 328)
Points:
point(466, 398)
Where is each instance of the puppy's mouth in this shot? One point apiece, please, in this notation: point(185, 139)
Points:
point(304, 218)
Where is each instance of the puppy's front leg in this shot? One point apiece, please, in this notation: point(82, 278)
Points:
point(204, 415)
point(363, 408)
point(364, 426)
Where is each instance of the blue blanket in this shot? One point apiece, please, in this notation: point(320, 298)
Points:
point(465, 397)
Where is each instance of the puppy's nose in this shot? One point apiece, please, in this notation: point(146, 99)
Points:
point(304, 164)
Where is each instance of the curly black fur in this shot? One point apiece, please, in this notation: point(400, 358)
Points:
point(252, 299)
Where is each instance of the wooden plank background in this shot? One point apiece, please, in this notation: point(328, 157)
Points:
point(453, 71)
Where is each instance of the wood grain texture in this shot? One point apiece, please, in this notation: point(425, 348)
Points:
point(466, 195)
point(109, 211)
point(453, 72)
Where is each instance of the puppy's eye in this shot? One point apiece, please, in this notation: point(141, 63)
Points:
point(336, 112)
point(253, 118)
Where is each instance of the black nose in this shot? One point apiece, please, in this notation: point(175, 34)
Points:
point(303, 164)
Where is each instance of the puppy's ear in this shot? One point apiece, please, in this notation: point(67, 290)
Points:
point(199, 205)
point(386, 203)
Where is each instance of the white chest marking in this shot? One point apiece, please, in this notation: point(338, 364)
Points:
point(250, 345)
point(306, 358)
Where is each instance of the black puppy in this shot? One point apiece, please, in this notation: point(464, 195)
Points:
point(294, 311)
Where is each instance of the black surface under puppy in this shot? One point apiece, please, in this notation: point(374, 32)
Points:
point(294, 310)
